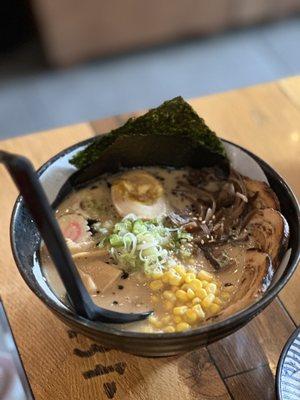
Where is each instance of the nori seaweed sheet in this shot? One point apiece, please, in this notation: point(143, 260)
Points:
point(171, 134)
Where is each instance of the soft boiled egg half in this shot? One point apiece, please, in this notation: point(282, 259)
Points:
point(139, 193)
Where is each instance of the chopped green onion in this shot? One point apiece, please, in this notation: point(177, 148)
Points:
point(147, 245)
point(139, 227)
point(115, 240)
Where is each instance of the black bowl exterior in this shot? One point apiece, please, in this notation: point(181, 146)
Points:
point(146, 344)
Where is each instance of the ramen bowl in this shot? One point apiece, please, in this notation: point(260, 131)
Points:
point(25, 241)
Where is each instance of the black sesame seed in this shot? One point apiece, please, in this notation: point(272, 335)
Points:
point(115, 303)
point(124, 275)
point(91, 222)
point(120, 287)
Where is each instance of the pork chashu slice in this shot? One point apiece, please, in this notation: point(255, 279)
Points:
point(268, 231)
point(263, 195)
point(256, 278)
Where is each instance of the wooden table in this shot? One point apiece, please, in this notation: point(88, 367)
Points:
point(266, 120)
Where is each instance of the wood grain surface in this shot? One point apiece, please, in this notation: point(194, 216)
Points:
point(63, 365)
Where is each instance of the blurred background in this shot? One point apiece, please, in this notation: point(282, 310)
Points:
point(67, 61)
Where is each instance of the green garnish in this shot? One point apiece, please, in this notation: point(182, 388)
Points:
point(146, 140)
point(145, 245)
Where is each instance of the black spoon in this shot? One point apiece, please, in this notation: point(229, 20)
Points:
point(26, 179)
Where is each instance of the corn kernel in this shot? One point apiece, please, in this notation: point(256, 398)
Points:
point(218, 301)
point(180, 269)
point(168, 305)
point(156, 285)
point(169, 295)
point(156, 275)
point(191, 316)
point(211, 288)
point(165, 277)
point(177, 319)
point(204, 275)
point(204, 284)
point(175, 281)
point(182, 326)
point(198, 309)
point(190, 293)
point(207, 301)
point(181, 295)
point(174, 278)
point(225, 296)
point(169, 329)
point(185, 286)
point(180, 310)
point(154, 299)
point(154, 321)
point(214, 308)
point(196, 284)
point(170, 272)
point(202, 293)
point(189, 277)
point(196, 300)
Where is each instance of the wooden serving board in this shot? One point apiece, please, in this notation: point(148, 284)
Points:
point(63, 365)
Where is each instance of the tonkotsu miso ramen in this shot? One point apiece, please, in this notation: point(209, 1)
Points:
point(195, 241)
point(192, 245)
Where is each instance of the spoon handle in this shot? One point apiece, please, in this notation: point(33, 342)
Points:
point(26, 179)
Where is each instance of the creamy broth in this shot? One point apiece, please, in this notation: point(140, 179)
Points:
point(208, 220)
